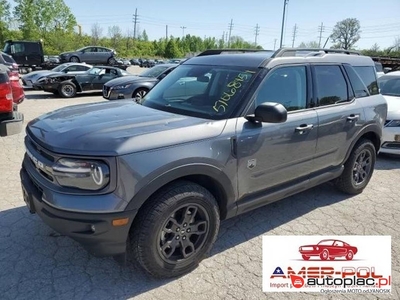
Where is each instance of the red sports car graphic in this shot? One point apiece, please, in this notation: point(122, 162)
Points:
point(328, 249)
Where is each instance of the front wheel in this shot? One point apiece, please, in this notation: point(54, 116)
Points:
point(358, 169)
point(139, 94)
point(111, 61)
point(67, 89)
point(74, 59)
point(175, 230)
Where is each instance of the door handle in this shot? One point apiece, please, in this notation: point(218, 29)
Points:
point(303, 128)
point(353, 117)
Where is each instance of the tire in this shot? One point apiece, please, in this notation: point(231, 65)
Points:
point(161, 224)
point(349, 255)
point(139, 94)
point(324, 255)
point(67, 89)
point(305, 257)
point(358, 168)
point(111, 61)
point(74, 59)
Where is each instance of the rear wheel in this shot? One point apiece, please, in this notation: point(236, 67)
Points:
point(175, 230)
point(358, 169)
point(74, 59)
point(67, 89)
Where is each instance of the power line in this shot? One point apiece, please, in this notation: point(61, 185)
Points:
point(230, 32)
point(321, 30)
point(135, 21)
point(256, 34)
point(294, 34)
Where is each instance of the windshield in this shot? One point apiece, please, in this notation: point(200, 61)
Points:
point(389, 85)
point(210, 92)
point(153, 72)
point(326, 242)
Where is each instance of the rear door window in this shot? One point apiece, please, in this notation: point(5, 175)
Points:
point(368, 75)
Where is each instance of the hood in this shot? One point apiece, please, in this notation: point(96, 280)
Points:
point(37, 74)
point(393, 103)
point(128, 79)
point(67, 53)
point(116, 128)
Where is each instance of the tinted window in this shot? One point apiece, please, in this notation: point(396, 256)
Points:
point(331, 85)
point(368, 75)
point(287, 86)
point(360, 90)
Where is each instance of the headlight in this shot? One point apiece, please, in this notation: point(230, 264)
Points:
point(82, 174)
point(393, 123)
point(121, 87)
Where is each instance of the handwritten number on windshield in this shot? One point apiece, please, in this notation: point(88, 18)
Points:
point(221, 105)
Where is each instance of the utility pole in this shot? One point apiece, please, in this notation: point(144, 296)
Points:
point(294, 34)
point(275, 43)
point(230, 32)
point(135, 21)
point(166, 32)
point(321, 30)
point(183, 31)
point(256, 34)
point(285, 2)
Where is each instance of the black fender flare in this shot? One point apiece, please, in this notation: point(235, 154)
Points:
point(227, 203)
point(371, 128)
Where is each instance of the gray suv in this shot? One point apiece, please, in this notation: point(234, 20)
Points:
point(224, 133)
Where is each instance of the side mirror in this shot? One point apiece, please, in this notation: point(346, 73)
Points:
point(269, 112)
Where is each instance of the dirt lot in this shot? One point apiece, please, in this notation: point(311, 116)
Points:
point(36, 264)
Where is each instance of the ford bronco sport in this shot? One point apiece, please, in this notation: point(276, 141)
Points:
point(226, 132)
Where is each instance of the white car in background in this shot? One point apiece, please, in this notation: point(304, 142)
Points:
point(70, 68)
point(389, 85)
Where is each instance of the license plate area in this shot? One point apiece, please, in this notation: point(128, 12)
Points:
point(28, 199)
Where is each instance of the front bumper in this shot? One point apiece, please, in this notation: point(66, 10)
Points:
point(110, 94)
point(390, 140)
point(13, 125)
point(94, 231)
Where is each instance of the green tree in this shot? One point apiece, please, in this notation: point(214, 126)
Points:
point(144, 36)
point(171, 49)
point(4, 20)
point(346, 33)
point(311, 44)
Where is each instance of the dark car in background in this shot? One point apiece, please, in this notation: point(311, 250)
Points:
point(67, 68)
point(25, 53)
point(90, 54)
point(8, 61)
point(67, 86)
point(136, 86)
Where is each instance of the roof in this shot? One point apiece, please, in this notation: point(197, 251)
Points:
point(391, 74)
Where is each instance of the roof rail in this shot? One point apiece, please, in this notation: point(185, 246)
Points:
point(230, 51)
point(284, 52)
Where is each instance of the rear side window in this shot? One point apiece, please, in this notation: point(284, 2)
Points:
point(360, 90)
point(8, 59)
point(368, 75)
point(331, 85)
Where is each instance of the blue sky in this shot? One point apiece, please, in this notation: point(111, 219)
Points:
point(380, 20)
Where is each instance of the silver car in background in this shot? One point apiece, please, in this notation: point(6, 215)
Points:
point(68, 68)
point(389, 85)
point(91, 55)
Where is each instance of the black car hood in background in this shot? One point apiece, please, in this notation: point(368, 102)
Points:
point(116, 128)
point(129, 79)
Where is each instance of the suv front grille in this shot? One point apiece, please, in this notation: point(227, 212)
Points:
point(40, 158)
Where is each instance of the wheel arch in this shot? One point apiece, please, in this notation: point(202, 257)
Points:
point(372, 133)
point(210, 177)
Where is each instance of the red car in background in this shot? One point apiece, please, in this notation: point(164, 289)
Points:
point(328, 249)
point(11, 120)
point(13, 74)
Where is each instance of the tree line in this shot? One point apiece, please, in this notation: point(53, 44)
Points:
point(53, 22)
